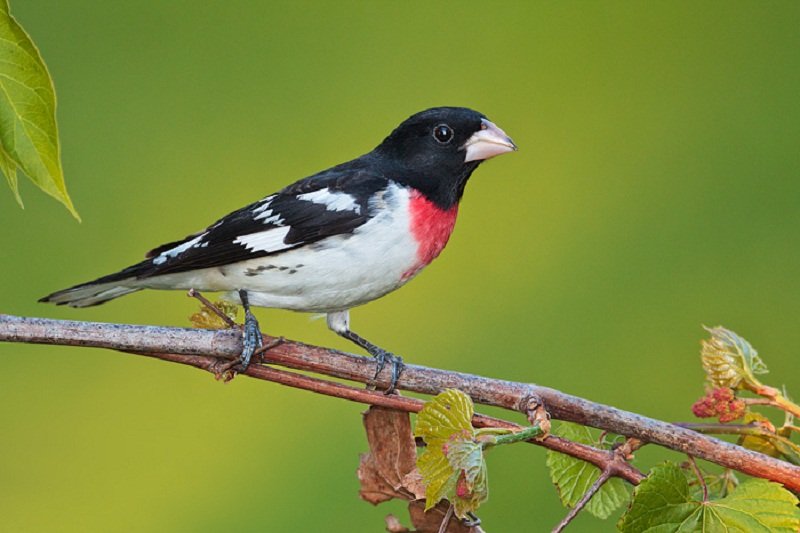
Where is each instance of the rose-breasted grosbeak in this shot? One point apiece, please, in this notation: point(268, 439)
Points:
point(331, 241)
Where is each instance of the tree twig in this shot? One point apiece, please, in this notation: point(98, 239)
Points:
point(226, 344)
point(211, 307)
point(598, 483)
point(621, 455)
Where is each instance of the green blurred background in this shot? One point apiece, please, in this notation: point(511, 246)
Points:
point(656, 189)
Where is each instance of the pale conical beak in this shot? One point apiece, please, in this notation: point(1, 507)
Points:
point(487, 142)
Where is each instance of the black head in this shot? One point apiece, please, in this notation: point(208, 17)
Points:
point(436, 151)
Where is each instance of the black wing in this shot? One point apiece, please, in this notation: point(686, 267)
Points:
point(333, 202)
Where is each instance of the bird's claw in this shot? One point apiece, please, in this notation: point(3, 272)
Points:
point(381, 358)
point(471, 520)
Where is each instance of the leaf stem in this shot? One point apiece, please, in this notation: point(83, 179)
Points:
point(519, 436)
point(700, 477)
point(782, 402)
point(727, 429)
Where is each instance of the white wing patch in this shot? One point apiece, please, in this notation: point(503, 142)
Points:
point(174, 252)
point(269, 218)
point(334, 201)
point(265, 214)
point(265, 241)
point(264, 204)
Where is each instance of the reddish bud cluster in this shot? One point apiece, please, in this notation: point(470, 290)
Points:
point(722, 403)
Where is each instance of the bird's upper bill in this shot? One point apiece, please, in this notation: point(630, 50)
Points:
point(488, 142)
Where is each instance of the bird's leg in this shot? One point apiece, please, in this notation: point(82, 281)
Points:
point(251, 333)
point(339, 322)
point(381, 358)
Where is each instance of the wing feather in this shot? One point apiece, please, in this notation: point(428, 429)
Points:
point(334, 202)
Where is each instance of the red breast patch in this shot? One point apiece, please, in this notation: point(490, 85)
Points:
point(431, 228)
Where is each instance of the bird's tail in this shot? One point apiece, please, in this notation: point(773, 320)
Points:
point(100, 290)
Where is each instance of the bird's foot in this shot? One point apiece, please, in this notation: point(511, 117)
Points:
point(252, 339)
point(252, 343)
point(471, 520)
point(381, 358)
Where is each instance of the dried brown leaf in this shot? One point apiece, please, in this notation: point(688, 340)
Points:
point(430, 521)
point(388, 470)
point(414, 484)
point(393, 525)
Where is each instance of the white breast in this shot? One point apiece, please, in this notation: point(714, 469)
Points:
point(333, 274)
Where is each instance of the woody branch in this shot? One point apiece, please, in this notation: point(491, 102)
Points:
point(204, 349)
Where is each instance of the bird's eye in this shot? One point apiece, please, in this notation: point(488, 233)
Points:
point(443, 133)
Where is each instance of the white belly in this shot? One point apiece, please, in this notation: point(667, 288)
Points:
point(333, 274)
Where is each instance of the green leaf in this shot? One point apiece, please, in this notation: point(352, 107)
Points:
point(447, 413)
point(28, 131)
point(758, 443)
point(471, 489)
point(771, 444)
point(718, 485)
point(730, 361)
point(573, 477)
point(9, 168)
point(664, 503)
point(452, 465)
point(788, 449)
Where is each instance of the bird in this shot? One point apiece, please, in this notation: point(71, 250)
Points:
point(331, 241)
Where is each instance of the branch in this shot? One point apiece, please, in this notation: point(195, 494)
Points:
point(604, 476)
point(175, 343)
point(621, 456)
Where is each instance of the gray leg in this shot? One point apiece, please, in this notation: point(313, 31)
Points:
point(339, 322)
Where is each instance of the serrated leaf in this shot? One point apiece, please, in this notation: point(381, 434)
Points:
point(664, 503)
point(573, 477)
point(718, 485)
point(445, 414)
point(452, 465)
point(28, 130)
point(466, 457)
point(205, 318)
point(730, 361)
point(438, 475)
